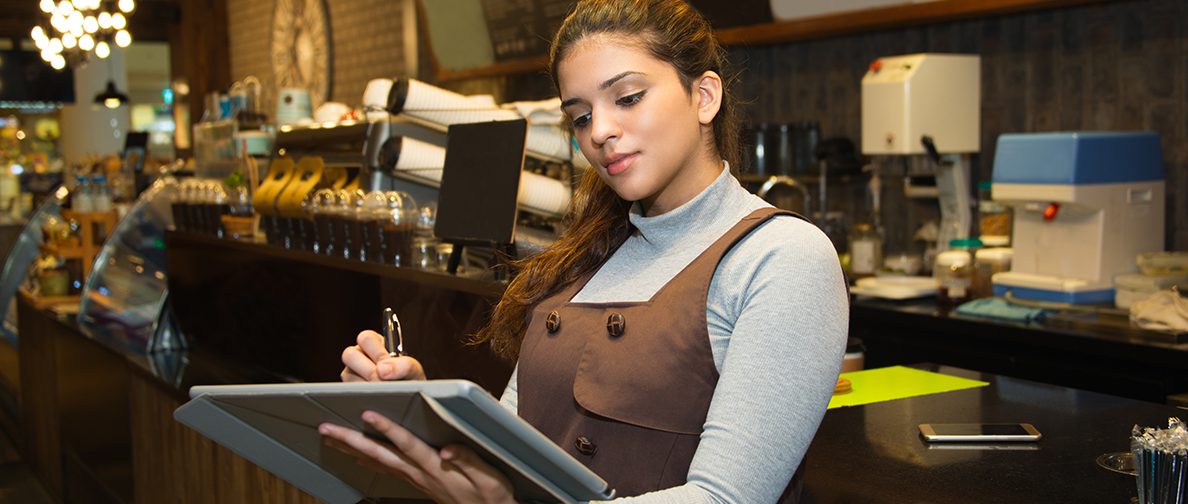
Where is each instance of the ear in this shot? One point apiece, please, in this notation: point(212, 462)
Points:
point(708, 90)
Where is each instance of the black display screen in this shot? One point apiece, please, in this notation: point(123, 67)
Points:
point(24, 77)
point(979, 430)
point(480, 183)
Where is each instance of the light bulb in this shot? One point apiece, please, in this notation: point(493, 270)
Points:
point(118, 21)
point(58, 21)
point(75, 19)
point(90, 24)
point(123, 38)
point(58, 62)
point(127, 5)
point(77, 31)
point(68, 41)
point(42, 43)
point(102, 50)
point(55, 45)
point(104, 20)
point(47, 6)
point(47, 55)
point(38, 33)
point(65, 7)
point(111, 103)
point(86, 43)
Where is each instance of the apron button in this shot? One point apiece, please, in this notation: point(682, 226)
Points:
point(615, 325)
point(553, 321)
point(584, 446)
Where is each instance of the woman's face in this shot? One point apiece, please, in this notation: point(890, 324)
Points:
point(649, 137)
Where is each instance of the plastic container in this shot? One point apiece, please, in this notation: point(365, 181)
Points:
point(866, 251)
point(954, 275)
point(987, 262)
point(1130, 288)
point(1163, 263)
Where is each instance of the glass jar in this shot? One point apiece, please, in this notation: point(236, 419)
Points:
point(399, 228)
point(994, 218)
point(866, 251)
point(954, 273)
point(987, 262)
point(321, 207)
point(373, 213)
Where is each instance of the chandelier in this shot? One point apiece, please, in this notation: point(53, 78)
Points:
point(70, 31)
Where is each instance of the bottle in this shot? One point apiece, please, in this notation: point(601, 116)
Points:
point(866, 251)
point(101, 194)
point(82, 200)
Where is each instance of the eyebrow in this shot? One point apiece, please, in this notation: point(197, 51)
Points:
point(605, 84)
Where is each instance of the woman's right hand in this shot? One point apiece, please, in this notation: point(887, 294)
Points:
point(368, 360)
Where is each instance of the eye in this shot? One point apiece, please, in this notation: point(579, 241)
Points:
point(630, 99)
point(581, 121)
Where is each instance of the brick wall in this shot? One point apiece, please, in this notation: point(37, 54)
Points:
point(367, 43)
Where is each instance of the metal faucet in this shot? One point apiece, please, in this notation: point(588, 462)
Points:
point(785, 180)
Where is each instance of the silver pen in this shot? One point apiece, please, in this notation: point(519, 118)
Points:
point(393, 339)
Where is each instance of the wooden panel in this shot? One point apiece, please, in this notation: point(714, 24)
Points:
point(199, 52)
point(173, 463)
point(41, 446)
point(881, 19)
point(831, 25)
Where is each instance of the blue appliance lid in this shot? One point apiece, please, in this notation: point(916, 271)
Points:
point(1078, 158)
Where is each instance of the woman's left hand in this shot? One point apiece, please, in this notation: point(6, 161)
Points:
point(453, 474)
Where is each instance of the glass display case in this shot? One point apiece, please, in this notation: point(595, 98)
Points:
point(26, 249)
point(123, 297)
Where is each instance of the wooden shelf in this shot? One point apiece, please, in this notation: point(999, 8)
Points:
point(832, 25)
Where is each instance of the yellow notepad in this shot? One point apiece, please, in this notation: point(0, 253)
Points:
point(896, 382)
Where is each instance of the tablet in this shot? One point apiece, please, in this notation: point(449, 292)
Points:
point(275, 427)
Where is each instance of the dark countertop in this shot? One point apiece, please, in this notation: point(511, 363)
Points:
point(1098, 353)
point(874, 453)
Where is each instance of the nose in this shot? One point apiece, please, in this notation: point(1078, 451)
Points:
point(603, 127)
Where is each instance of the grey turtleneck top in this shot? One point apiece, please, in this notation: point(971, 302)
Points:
point(777, 315)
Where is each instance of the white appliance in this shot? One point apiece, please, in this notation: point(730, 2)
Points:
point(908, 98)
point(1086, 203)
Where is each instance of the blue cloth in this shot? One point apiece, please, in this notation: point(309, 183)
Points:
point(999, 308)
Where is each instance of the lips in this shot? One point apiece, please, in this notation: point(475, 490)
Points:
point(617, 164)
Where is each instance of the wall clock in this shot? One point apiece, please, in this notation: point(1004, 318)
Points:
point(301, 50)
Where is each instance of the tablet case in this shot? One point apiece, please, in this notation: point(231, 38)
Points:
point(275, 427)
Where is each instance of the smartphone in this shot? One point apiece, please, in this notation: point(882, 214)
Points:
point(979, 432)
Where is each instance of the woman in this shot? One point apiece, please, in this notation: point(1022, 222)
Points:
point(680, 338)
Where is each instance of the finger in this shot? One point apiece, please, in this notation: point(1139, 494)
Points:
point(400, 368)
point(354, 443)
point(414, 450)
point(372, 344)
point(358, 364)
point(488, 480)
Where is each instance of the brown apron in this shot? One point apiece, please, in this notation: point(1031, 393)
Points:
point(625, 387)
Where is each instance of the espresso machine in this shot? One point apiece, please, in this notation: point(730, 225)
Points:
point(925, 110)
point(1086, 203)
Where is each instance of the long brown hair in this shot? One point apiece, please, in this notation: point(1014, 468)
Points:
point(596, 224)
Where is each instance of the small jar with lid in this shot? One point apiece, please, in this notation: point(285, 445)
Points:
point(954, 273)
point(866, 251)
point(988, 262)
point(994, 218)
point(373, 213)
point(399, 228)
